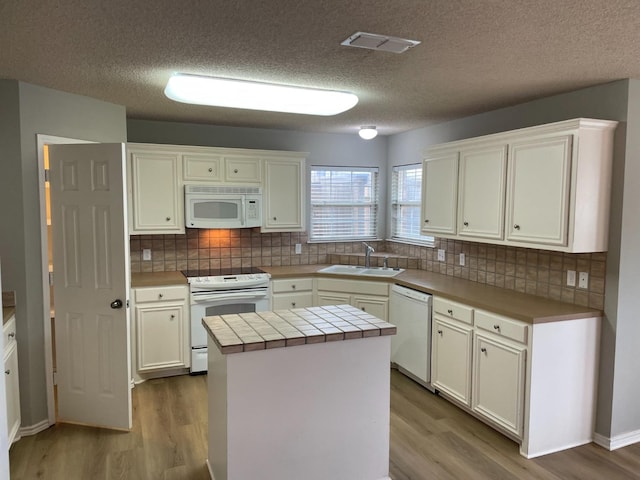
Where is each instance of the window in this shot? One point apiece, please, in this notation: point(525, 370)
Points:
point(344, 203)
point(405, 205)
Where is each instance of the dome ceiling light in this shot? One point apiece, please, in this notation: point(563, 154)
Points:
point(368, 132)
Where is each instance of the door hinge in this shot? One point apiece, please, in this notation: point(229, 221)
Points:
point(47, 175)
point(51, 279)
point(55, 378)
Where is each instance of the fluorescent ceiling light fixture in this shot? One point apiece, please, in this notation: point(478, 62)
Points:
point(368, 132)
point(224, 92)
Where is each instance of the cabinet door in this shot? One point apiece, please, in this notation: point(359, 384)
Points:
point(284, 199)
point(202, 167)
point(12, 391)
point(378, 307)
point(439, 194)
point(156, 198)
point(161, 337)
point(498, 382)
point(332, 298)
point(243, 169)
point(284, 301)
point(482, 179)
point(451, 357)
point(538, 190)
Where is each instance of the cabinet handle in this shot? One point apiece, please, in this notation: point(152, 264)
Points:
point(466, 224)
point(11, 334)
point(8, 372)
point(440, 332)
point(210, 170)
point(293, 304)
point(160, 295)
point(293, 287)
point(363, 309)
point(235, 170)
point(172, 317)
point(496, 327)
point(516, 226)
point(426, 220)
point(483, 350)
point(450, 312)
point(168, 219)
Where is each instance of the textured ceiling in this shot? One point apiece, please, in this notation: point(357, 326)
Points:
point(475, 55)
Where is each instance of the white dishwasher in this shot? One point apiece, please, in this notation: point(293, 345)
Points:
point(410, 312)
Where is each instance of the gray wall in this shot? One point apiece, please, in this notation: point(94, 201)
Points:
point(619, 383)
point(28, 110)
point(323, 148)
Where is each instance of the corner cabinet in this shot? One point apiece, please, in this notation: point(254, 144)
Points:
point(162, 330)
point(157, 175)
point(284, 195)
point(545, 187)
point(12, 384)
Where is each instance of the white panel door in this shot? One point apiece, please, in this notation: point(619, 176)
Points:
point(90, 260)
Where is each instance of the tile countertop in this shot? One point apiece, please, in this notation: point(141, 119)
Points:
point(248, 332)
point(519, 306)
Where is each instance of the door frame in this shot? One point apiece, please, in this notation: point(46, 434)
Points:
point(43, 140)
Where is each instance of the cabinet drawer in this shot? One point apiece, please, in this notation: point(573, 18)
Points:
point(243, 169)
point(354, 286)
point(452, 309)
point(292, 300)
point(202, 167)
point(160, 294)
point(292, 285)
point(503, 326)
point(9, 333)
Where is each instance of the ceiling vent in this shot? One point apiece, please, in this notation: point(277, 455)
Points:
point(384, 43)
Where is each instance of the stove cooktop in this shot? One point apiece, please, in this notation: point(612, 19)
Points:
point(218, 272)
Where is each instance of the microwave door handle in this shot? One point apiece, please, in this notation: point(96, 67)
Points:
point(242, 214)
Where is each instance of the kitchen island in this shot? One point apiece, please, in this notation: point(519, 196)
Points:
point(301, 393)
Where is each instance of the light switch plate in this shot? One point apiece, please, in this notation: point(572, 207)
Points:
point(571, 278)
point(462, 259)
point(298, 248)
point(440, 255)
point(146, 254)
point(583, 280)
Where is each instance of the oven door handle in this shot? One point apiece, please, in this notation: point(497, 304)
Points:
point(202, 298)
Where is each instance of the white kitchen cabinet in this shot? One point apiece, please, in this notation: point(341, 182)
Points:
point(284, 195)
point(243, 169)
point(291, 293)
point(12, 384)
point(481, 187)
point(369, 296)
point(202, 166)
point(156, 202)
point(161, 328)
point(557, 180)
point(539, 186)
point(451, 358)
point(498, 381)
point(439, 194)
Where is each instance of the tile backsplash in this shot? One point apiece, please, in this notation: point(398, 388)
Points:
point(537, 272)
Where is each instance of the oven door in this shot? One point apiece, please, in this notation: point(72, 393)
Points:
point(223, 303)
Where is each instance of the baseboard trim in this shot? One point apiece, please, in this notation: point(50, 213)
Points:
point(33, 429)
point(619, 441)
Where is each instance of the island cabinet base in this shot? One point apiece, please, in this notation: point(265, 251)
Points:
point(313, 412)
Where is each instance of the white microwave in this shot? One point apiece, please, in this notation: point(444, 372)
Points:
point(224, 206)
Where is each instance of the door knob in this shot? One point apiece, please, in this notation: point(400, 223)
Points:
point(117, 303)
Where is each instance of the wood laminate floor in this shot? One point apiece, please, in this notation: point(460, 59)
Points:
point(430, 439)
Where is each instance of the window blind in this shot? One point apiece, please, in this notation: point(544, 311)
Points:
point(406, 188)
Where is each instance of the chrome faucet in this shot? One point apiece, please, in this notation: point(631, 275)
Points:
point(368, 250)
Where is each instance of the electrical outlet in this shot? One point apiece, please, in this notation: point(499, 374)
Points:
point(583, 280)
point(146, 254)
point(298, 248)
point(462, 259)
point(571, 278)
point(440, 255)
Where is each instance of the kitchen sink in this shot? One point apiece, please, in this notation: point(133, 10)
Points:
point(355, 270)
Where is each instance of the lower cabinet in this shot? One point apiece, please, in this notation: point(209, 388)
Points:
point(291, 293)
point(11, 379)
point(161, 328)
point(369, 296)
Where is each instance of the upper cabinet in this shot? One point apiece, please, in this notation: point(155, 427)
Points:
point(545, 187)
point(284, 195)
point(158, 173)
